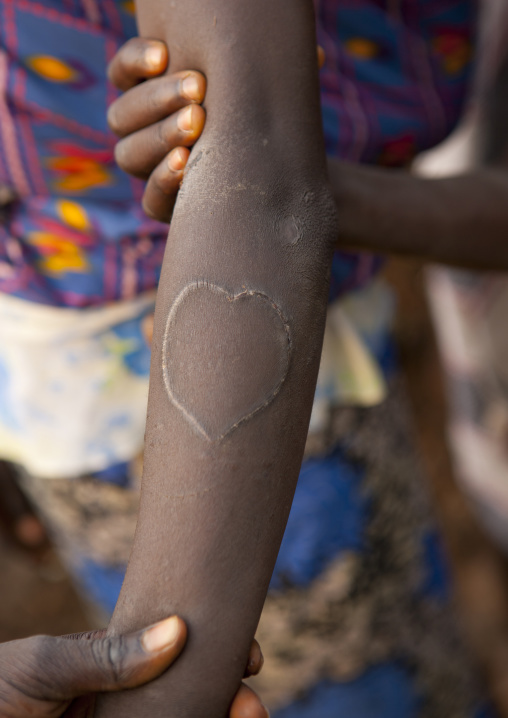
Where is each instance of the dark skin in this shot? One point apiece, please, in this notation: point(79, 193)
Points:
point(381, 210)
point(48, 677)
point(239, 322)
point(441, 219)
point(430, 221)
point(42, 675)
point(153, 100)
point(373, 215)
point(460, 220)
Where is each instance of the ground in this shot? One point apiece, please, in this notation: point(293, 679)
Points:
point(37, 597)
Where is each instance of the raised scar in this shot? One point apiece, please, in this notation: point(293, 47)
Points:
point(225, 356)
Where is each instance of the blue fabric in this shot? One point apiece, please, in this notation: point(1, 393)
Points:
point(118, 474)
point(386, 691)
point(328, 516)
point(436, 580)
point(393, 84)
point(101, 583)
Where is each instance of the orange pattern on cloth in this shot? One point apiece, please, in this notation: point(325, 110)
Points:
point(454, 50)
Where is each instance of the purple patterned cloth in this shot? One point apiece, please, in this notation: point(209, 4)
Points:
point(394, 83)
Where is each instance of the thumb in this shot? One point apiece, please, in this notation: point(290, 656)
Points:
point(67, 669)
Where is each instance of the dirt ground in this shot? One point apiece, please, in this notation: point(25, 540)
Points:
point(36, 595)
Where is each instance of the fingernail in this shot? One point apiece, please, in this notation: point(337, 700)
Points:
point(256, 664)
point(153, 56)
point(321, 56)
point(177, 160)
point(161, 636)
point(191, 89)
point(184, 121)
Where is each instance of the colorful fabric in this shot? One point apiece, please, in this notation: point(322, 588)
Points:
point(74, 382)
point(393, 84)
point(395, 77)
point(357, 621)
point(77, 236)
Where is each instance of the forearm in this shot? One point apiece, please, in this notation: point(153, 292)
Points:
point(238, 331)
point(460, 220)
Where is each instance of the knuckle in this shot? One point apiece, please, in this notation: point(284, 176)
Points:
point(165, 99)
point(163, 132)
point(166, 135)
point(39, 646)
point(110, 658)
point(158, 92)
point(125, 61)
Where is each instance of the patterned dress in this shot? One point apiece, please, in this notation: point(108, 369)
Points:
point(358, 619)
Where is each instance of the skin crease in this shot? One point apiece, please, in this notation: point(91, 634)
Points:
point(255, 212)
point(394, 206)
point(381, 210)
point(41, 675)
point(50, 677)
point(138, 116)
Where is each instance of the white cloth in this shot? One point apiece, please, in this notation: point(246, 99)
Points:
point(73, 385)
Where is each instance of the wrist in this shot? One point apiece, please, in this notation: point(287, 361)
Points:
point(353, 203)
point(378, 208)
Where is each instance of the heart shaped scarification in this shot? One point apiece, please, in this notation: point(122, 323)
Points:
point(225, 356)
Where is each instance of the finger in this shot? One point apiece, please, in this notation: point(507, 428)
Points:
point(256, 660)
point(321, 57)
point(154, 100)
point(139, 153)
point(137, 60)
point(163, 185)
point(246, 704)
point(64, 669)
point(87, 635)
point(147, 328)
